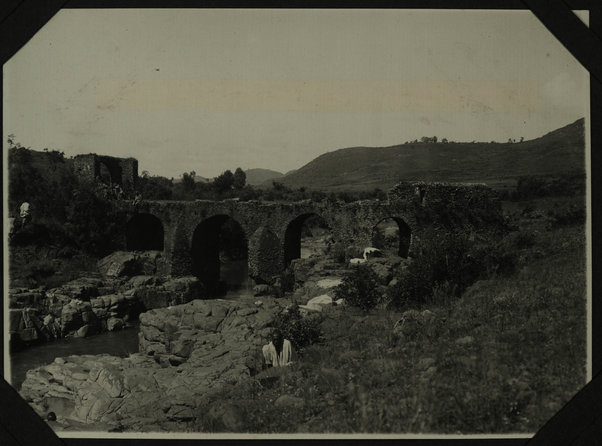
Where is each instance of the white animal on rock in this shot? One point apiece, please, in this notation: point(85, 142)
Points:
point(372, 252)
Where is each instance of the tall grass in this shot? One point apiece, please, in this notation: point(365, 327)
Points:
point(504, 357)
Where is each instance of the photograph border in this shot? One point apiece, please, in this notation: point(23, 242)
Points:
point(20, 21)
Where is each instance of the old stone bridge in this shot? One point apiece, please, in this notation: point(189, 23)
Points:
point(187, 232)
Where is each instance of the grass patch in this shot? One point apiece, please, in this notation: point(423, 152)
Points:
point(502, 358)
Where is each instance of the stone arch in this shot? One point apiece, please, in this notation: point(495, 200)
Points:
point(404, 235)
point(144, 232)
point(265, 256)
point(205, 247)
point(292, 236)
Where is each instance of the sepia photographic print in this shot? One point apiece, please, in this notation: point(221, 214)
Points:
point(278, 222)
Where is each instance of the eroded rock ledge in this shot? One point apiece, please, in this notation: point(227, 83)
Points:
point(186, 352)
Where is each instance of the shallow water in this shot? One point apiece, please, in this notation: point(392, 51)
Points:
point(236, 275)
point(117, 343)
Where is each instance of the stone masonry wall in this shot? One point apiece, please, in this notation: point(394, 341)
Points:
point(419, 205)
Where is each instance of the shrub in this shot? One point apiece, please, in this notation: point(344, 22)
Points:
point(359, 288)
point(40, 268)
point(443, 257)
point(547, 186)
point(300, 331)
point(448, 262)
point(93, 222)
point(573, 214)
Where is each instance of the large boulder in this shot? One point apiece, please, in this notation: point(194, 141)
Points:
point(118, 264)
point(82, 288)
point(131, 263)
point(77, 314)
point(142, 280)
point(114, 323)
point(22, 297)
point(187, 353)
point(183, 289)
point(323, 299)
point(173, 292)
point(150, 262)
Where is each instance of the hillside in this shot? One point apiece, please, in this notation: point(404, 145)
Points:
point(360, 168)
point(257, 176)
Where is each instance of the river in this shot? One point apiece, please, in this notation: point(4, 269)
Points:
point(117, 343)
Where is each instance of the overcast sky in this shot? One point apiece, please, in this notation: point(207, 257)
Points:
point(210, 90)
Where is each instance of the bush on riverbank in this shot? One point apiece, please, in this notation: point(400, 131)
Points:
point(359, 288)
point(300, 331)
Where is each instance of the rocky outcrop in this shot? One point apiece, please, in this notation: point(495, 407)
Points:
point(130, 263)
point(29, 325)
point(23, 297)
point(193, 331)
point(173, 292)
point(90, 305)
point(187, 352)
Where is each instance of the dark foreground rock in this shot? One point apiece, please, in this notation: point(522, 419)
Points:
point(186, 353)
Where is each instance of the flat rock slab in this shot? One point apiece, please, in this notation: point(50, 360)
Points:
point(179, 366)
point(329, 282)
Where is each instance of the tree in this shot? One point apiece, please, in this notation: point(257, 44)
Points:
point(155, 187)
point(224, 182)
point(188, 181)
point(240, 178)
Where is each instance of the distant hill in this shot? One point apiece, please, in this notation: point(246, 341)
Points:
point(257, 176)
point(362, 168)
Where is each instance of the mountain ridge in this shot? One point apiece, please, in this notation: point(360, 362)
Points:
point(359, 168)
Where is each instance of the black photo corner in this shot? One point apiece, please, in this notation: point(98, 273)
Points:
point(579, 422)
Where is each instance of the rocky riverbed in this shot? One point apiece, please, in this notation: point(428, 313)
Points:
point(186, 352)
point(189, 347)
point(123, 287)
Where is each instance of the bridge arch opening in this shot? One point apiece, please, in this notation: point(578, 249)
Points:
point(305, 236)
point(393, 236)
point(144, 232)
point(219, 255)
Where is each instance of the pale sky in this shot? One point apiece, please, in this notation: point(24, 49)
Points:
point(210, 90)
